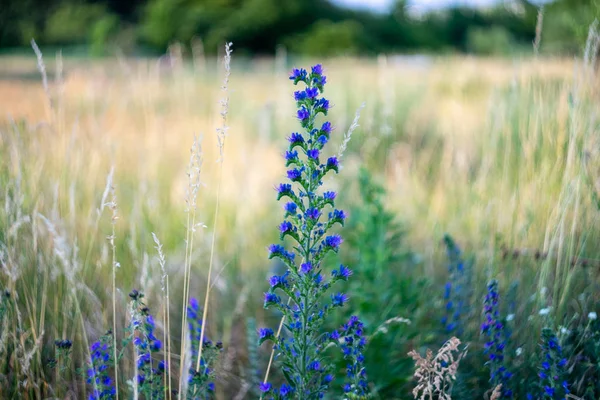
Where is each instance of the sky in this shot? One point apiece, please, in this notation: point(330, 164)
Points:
point(382, 5)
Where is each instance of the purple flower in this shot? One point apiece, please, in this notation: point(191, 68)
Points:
point(311, 93)
point(300, 95)
point(329, 196)
point(265, 387)
point(291, 155)
point(338, 215)
point(306, 267)
point(317, 69)
point(265, 333)
point(326, 128)
point(333, 242)
point(332, 163)
point(313, 213)
point(303, 114)
point(274, 281)
point(296, 138)
point(156, 345)
point(276, 249)
point(298, 74)
point(285, 390)
point(313, 154)
point(342, 273)
point(291, 208)
point(339, 299)
point(286, 226)
point(284, 188)
point(322, 104)
point(294, 174)
point(271, 298)
point(315, 366)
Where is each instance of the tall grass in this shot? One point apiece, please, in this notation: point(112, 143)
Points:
point(504, 154)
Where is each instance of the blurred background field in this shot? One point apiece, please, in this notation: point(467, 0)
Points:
point(475, 134)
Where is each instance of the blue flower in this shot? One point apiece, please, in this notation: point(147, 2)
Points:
point(317, 69)
point(271, 298)
point(312, 93)
point(306, 267)
point(291, 208)
point(333, 242)
point(284, 189)
point(285, 390)
point(156, 345)
point(300, 95)
point(322, 105)
point(265, 387)
point(291, 156)
point(313, 154)
point(343, 272)
point(339, 299)
point(294, 175)
point(286, 226)
point(313, 213)
point(265, 333)
point(329, 196)
point(303, 114)
point(332, 163)
point(338, 216)
point(298, 75)
point(296, 139)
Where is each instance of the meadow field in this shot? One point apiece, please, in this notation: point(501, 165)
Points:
point(498, 158)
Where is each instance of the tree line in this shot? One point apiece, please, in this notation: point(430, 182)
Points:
point(312, 27)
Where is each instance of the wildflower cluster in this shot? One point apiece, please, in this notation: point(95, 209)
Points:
point(201, 382)
point(98, 371)
point(149, 378)
point(352, 342)
point(553, 384)
point(307, 224)
point(456, 291)
point(494, 331)
point(62, 354)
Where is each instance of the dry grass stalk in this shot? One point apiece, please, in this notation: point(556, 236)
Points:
point(348, 134)
point(112, 205)
point(497, 393)
point(221, 134)
point(164, 284)
point(436, 374)
point(194, 184)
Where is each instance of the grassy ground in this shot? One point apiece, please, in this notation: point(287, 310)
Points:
point(501, 154)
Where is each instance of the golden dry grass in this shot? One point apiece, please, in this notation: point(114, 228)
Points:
point(492, 151)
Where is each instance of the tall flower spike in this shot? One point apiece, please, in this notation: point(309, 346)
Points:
point(352, 342)
point(552, 372)
point(98, 375)
point(201, 383)
point(456, 290)
point(149, 374)
point(495, 336)
point(309, 217)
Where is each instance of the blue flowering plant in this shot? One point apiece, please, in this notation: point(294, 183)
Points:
point(310, 215)
point(99, 369)
point(149, 372)
point(352, 342)
point(493, 329)
point(553, 372)
point(457, 290)
point(62, 355)
point(201, 380)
